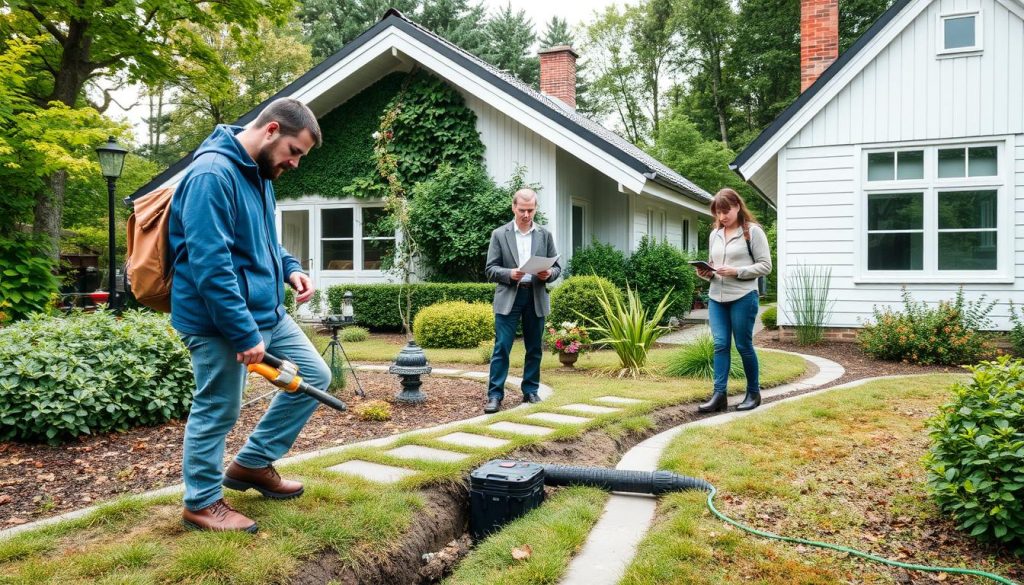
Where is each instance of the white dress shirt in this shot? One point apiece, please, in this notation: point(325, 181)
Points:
point(524, 243)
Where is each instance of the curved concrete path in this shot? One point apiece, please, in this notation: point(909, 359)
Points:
point(612, 543)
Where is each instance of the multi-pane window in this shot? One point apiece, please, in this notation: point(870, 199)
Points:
point(933, 209)
point(378, 238)
point(337, 238)
point(353, 237)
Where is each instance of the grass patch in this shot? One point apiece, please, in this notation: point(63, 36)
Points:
point(842, 467)
point(554, 532)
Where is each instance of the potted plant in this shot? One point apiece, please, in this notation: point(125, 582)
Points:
point(569, 341)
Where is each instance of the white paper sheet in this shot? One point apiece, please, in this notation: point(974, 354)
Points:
point(538, 264)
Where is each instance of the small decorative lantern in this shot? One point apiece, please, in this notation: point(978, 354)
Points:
point(347, 314)
point(410, 364)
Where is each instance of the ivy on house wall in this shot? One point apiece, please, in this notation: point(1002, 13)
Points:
point(434, 126)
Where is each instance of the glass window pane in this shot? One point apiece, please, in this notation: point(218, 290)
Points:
point(983, 161)
point(951, 162)
point(967, 209)
point(967, 250)
point(373, 226)
point(295, 235)
point(577, 227)
point(895, 251)
point(374, 251)
point(337, 255)
point(895, 211)
point(910, 165)
point(336, 223)
point(880, 166)
point(959, 32)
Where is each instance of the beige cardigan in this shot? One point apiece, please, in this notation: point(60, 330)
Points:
point(733, 252)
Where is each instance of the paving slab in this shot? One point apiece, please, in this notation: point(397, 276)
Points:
point(426, 453)
point(481, 375)
point(619, 400)
point(521, 429)
point(561, 419)
point(472, 440)
point(590, 408)
point(373, 471)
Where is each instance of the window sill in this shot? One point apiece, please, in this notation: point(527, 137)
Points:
point(960, 278)
point(965, 52)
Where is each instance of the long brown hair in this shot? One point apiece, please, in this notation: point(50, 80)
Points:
point(725, 200)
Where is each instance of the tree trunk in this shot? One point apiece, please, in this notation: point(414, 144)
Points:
point(49, 210)
point(716, 87)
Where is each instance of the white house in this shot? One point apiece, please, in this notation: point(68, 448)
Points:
point(902, 164)
point(595, 184)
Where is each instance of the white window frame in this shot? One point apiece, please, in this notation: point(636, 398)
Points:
point(663, 228)
point(684, 229)
point(362, 238)
point(585, 205)
point(931, 186)
point(650, 223)
point(979, 44)
point(316, 210)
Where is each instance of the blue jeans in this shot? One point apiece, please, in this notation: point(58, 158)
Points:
point(217, 403)
point(735, 320)
point(505, 334)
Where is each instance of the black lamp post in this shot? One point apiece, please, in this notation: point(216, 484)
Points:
point(111, 163)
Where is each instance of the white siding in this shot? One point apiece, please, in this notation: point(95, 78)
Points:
point(668, 221)
point(909, 93)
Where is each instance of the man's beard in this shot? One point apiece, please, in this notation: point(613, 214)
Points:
point(266, 165)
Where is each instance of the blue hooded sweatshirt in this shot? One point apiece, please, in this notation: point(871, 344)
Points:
point(229, 269)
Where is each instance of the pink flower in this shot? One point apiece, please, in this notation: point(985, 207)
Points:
point(558, 344)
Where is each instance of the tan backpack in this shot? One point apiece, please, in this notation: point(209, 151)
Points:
point(149, 265)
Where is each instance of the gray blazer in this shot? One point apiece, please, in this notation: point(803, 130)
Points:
point(503, 258)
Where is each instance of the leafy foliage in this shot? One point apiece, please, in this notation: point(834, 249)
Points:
point(354, 334)
point(90, 373)
point(809, 302)
point(567, 337)
point(659, 270)
point(510, 40)
point(627, 329)
point(1016, 330)
point(26, 276)
point(948, 334)
point(376, 307)
point(580, 297)
point(697, 359)
point(976, 460)
point(373, 410)
point(602, 259)
point(454, 324)
point(770, 318)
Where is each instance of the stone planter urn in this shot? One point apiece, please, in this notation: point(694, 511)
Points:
point(568, 359)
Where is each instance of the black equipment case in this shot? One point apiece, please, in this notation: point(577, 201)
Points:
point(501, 491)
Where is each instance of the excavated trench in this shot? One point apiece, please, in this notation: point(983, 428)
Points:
point(437, 539)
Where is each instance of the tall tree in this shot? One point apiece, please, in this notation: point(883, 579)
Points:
point(330, 24)
point(656, 40)
point(556, 33)
point(708, 28)
point(89, 41)
point(510, 39)
point(618, 89)
point(457, 21)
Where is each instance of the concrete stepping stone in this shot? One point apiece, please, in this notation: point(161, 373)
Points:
point(426, 453)
point(618, 400)
point(558, 418)
point(521, 429)
point(471, 440)
point(373, 471)
point(590, 408)
point(481, 375)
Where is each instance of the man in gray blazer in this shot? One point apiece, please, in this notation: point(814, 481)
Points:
point(519, 296)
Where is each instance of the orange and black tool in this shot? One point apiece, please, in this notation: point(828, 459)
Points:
point(285, 375)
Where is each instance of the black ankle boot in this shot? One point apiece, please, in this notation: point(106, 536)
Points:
point(751, 401)
point(718, 403)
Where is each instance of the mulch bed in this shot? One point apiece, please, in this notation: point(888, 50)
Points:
point(38, 481)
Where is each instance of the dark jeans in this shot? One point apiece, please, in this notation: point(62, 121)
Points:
point(505, 335)
point(735, 320)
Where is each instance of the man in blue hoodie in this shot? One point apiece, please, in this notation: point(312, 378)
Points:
point(227, 304)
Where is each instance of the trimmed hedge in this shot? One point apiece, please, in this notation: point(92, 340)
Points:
point(376, 305)
point(90, 373)
point(657, 267)
point(581, 294)
point(454, 324)
point(601, 259)
point(770, 318)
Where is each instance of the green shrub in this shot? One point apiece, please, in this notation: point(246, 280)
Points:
point(698, 360)
point(947, 334)
point(601, 259)
point(289, 300)
point(628, 330)
point(486, 349)
point(374, 410)
point(376, 305)
point(90, 373)
point(809, 302)
point(454, 324)
point(580, 295)
point(26, 276)
point(658, 270)
point(354, 334)
point(1016, 332)
point(770, 318)
point(976, 460)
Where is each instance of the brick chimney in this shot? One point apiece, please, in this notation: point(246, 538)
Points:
point(558, 73)
point(819, 38)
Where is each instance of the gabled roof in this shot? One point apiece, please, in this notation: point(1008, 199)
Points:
point(549, 107)
point(809, 94)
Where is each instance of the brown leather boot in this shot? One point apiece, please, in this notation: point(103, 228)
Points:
point(218, 516)
point(266, 481)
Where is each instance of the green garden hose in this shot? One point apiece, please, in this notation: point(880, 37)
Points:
point(857, 553)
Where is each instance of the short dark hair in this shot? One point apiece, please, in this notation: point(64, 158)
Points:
point(293, 116)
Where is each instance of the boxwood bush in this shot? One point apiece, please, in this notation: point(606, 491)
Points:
point(976, 460)
point(89, 373)
point(580, 295)
point(600, 259)
point(454, 324)
point(770, 318)
point(376, 305)
point(655, 269)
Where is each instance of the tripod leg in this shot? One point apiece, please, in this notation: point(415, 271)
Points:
point(359, 386)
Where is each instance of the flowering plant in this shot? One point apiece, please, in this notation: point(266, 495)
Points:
point(568, 338)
